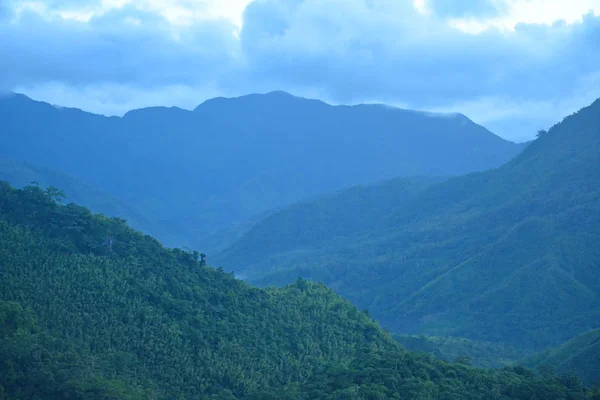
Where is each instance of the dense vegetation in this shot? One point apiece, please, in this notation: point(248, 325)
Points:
point(579, 356)
point(212, 169)
point(507, 255)
point(315, 222)
point(90, 309)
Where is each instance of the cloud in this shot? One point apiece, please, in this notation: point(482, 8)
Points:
point(356, 51)
point(128, 53)
point(462, 8)
point(388, 51)
point(121, 46)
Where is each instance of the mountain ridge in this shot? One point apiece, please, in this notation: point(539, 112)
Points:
point(579, 356)
point(231, 159)
point(464, 257)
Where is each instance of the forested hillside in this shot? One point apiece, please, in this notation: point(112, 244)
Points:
point(319, 223)
point(90, 309)
point(507, 255)
point(211, 169)
point(579, 356)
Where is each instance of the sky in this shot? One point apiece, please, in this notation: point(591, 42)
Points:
point(514, 66)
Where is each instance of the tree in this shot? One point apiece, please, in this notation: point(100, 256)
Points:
point(464, 360)
point(541, 132)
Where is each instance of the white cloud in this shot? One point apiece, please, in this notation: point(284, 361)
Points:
point(178, 12)
point(530, 12)
point(476, 14)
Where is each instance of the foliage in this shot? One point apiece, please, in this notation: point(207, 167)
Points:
point(579, 356)
point(381, 375)
point(311, 224)
point(90, 309)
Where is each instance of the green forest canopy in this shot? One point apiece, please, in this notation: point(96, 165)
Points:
point(91, 309)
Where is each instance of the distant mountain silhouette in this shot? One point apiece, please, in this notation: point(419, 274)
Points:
point(201, 171)
point(507, 255)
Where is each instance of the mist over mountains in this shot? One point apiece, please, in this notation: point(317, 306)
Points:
point(201, 175)
point(299, 200)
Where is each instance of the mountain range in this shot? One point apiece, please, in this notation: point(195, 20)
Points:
point(200, 176)
point(471, 248)
point(506, 255)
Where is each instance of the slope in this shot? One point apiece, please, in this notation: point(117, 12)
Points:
point(200, 171)
point(311, 225)
point(20, 174)
point(470, 352)
point(506, 255)
point(579, 356)
point(90, 309)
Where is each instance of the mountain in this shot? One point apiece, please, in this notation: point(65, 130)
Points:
point(507, 255)
point(579, 356)
point(90, 309)
point(20, 174)
point(198, 172)
point(318, 223)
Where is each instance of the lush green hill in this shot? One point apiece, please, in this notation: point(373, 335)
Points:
point(579, 356)
point(319, 223)
point(90, 309)
point(507, 255)
point(199, 172)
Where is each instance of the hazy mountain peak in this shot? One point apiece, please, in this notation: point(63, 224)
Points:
point(273, 98)
point(7, 94)
point(150, 112)
point(280, 93)
point(12, 96)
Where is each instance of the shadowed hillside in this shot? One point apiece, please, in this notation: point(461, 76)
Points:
point(507, 255)
point(579, 356)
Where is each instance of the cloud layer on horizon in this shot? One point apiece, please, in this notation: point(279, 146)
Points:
point(344, 51)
